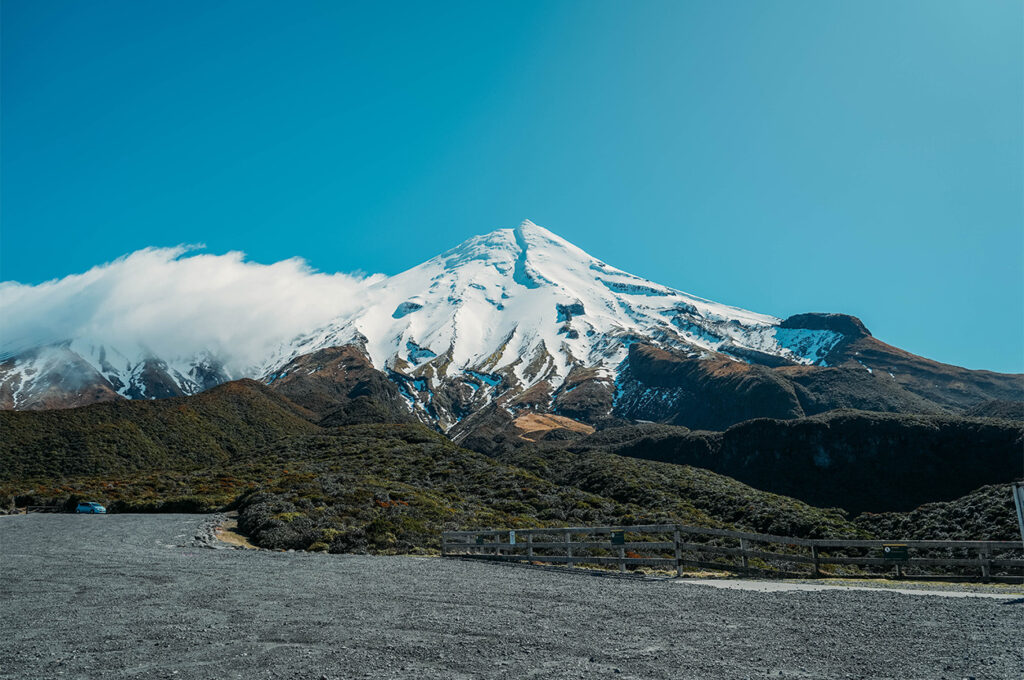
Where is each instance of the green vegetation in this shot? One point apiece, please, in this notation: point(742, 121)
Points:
point(385, 488)
point(114, 438)
point(985, 513)
point(683, 493)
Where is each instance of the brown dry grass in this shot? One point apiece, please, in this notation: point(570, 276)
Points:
point(533, 426)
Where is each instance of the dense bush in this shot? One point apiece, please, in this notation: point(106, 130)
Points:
point(985, 514)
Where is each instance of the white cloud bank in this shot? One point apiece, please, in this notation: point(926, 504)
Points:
point(177, 304)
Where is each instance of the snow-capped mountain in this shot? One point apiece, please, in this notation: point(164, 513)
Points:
point(522, 320)
point(520, 308)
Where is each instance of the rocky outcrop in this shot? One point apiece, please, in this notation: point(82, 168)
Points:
point(847, 325)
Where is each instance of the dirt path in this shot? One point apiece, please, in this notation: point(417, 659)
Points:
point(228, 532)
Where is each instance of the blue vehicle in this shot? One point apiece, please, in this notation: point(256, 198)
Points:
point(91, 508)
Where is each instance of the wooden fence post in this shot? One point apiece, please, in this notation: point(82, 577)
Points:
point(743, 553)
point(817, 560)
point(679, 554)
point(622, 560)
point(985, 555)
point(529, 545)
point(444, 544)
point(568, 548)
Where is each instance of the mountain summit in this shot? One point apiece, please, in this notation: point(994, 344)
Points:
point(519, 308)
point(521, 320)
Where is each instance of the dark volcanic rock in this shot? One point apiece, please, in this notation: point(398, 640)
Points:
point(70, 381)
point(839, 323)
point(585, 395)
point(153, 382)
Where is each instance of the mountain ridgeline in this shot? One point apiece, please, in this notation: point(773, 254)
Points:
point(522, 319)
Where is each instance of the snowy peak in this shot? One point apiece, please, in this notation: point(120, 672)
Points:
point(517, 309)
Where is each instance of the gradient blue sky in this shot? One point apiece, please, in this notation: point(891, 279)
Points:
point(788, 156)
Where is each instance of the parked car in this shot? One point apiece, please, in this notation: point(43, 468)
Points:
point(91, 508)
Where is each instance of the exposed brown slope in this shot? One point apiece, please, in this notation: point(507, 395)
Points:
point(944, 384)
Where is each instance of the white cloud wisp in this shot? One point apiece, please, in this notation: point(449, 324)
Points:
point(176, 304)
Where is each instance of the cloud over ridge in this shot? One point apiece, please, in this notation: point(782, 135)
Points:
point(176, 302)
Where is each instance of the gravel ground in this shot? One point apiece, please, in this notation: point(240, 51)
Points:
point(139, 596)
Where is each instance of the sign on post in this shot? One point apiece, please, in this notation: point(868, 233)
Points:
point(618, 538)
point(512, 538)
point(479, 540)
point(1018, 500)
point(895, 551)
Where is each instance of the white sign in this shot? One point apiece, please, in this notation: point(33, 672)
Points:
point(511, 538)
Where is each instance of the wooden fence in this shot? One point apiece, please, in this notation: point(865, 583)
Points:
point(675, 546)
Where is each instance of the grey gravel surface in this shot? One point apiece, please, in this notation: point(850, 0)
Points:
point(138, 596)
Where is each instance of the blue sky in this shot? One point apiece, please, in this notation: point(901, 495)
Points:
point(789, 156)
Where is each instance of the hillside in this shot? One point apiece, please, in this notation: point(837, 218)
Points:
point(118, 437)
point(330, 473)
point(394, 488)
point(682, 491)
point(987, 513)
point(856, 460)
point(377, 487)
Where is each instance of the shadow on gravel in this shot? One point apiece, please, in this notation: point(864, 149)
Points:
point(1017, 601)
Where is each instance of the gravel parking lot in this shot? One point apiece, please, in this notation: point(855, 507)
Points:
point(139, 596)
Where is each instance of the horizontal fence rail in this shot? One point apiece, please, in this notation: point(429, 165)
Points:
point(677, 546)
